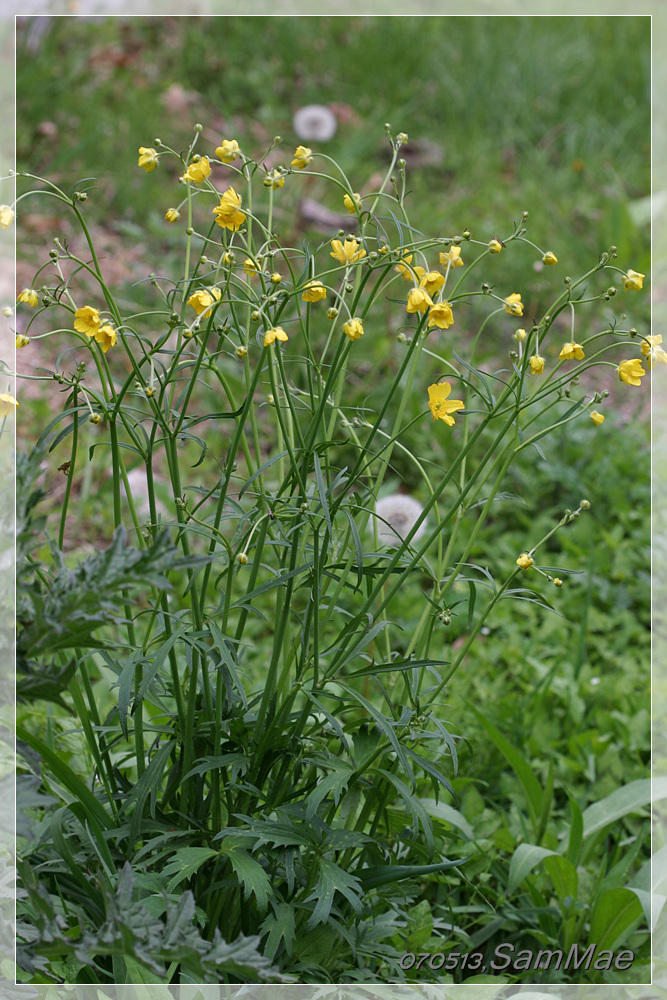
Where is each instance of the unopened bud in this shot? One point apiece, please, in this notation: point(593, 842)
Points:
point(95, 418)
point(585, 504)
point(242, 558)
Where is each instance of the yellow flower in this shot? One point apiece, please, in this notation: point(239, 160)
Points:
point(249, 266)
point(198, 170)
point(314, 291)
point(353, 329)
point(352, 204)
point(452, 257)
point(106, 337)
point(274, 179)
point(172, 214)
point(440, 405)
point(403, 269)
point(31, 298)
point(536, 364)
point(495, 246)
point(6, 217)
point(520, 335)
point(631, 372)
point(432, 282)
point(202, 300)
point(440, 314)
point(148, 158)
point(633, 280)
point(302, 157)
point(653, 353)
point(277, 333)
point(228, 150)
point(570, 351)
point(597, 418)
point(228, 213)
point(418, 300)
point(514, 305)
point(87, 320)
point(550, 258)
point(524, 561)
point(22, 340)
point(7, 404)
point(347, 252)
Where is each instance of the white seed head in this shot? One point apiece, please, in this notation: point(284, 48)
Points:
point(400, 512)
point(315, 121)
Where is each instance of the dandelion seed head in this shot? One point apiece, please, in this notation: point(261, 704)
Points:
point(400, 512)
point(315, 121)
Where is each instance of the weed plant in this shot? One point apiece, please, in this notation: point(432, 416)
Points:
point(246, 769)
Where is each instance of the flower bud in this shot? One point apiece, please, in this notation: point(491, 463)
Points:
point(349, 287)
point(241, 352)
point(401, 338)
point(198, 127)
point(22, 340)
point(95, 418)
point(611, 291)
point(332, 313)
point(276, 278)
point(254, 315)
point(190, 231)
point(465, 234)
point(242, 558)
point(270, 400)
point(457, 241)
point(203, 260)
point(150, 391)
point(585, 504)
point(557, 582)
point(53, 254)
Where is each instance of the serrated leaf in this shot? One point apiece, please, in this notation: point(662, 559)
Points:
point(332, 879)
point(188, 860)
point(249, 872)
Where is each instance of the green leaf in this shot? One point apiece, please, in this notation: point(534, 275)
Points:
point(420, 926)
point(628, 799)
point(332, 878)
point(529, 782)
point(249, 872)
point(563, 877)
point(188, 861)
point(441, 811)
point(322, 491)
point(280, 927)
point(616, 914)
point(334, 783)
point(576, 833)
point(68, 778)
point(525, 858)
point(371, 878)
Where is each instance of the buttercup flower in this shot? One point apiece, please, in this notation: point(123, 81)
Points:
point(654, 354)
point(536, 364)
point(440, 405)
point(352, 204)
point(597, 418)
point(452, 257)
point(22, 340)
point(514, 305)
point(524, 561)
point(172, 214)
point(418, 300)
point(7, 404)
point(315, 121)
point(198, 170)
point(353, 329)
point(202, 300)
point(249, 266)
point(570, 351)
point(148, 158)
point(400, 512)
point(277, 333)
point(432, 282)
point(302, 157)
point(6, 216)
point(274, 179)
point(31, 298)
point(106, 337)
point(403, 270)
point(87, 320)
point(347, 252)
point(440, 314)
point(495, 246)
point(228, 150)
point(314, 291)
point(550, 258)
point(520, 335)
point(633, 280)
point(631, 372)
point(228, 213)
